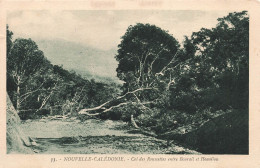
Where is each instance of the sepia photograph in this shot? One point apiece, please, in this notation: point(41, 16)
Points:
point(127, 82)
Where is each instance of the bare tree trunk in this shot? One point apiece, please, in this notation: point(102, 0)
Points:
point(18, 98)
point(44, 101)
point(133, 122)
point(51, 111)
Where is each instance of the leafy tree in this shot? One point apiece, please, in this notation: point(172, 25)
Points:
point(40, 94)
point(144, 51)
point(216, 74)
point(223, 57)
point(24, 60)
point(9, 43)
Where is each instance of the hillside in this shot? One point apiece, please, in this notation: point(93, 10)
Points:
point(86, 61)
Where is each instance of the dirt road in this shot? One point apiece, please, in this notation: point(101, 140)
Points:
point(94, 137)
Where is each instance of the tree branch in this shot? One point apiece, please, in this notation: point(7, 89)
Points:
point(33, 90)
point(101, 107)
point(86, 111)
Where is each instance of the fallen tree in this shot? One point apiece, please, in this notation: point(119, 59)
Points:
point(121, 101)
point(116, 102)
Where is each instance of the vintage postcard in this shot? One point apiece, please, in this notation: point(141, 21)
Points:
point(126, 83)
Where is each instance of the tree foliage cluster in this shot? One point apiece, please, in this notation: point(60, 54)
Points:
point(36, 87)
point(205, 76)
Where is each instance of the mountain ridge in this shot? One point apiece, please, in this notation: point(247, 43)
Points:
point(87, 61)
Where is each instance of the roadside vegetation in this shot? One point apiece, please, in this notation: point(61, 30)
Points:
point(168, 86)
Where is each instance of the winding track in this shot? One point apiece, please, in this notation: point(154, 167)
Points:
point(94, 137)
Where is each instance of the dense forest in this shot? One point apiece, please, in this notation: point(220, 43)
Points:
point(167, 85)
point(38, 88)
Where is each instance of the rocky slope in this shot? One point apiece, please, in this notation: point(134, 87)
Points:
point(17, 141)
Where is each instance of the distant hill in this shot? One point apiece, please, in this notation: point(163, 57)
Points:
point(84, 60)
point(88, 75)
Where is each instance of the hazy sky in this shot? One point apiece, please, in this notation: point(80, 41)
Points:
point(102, 30)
